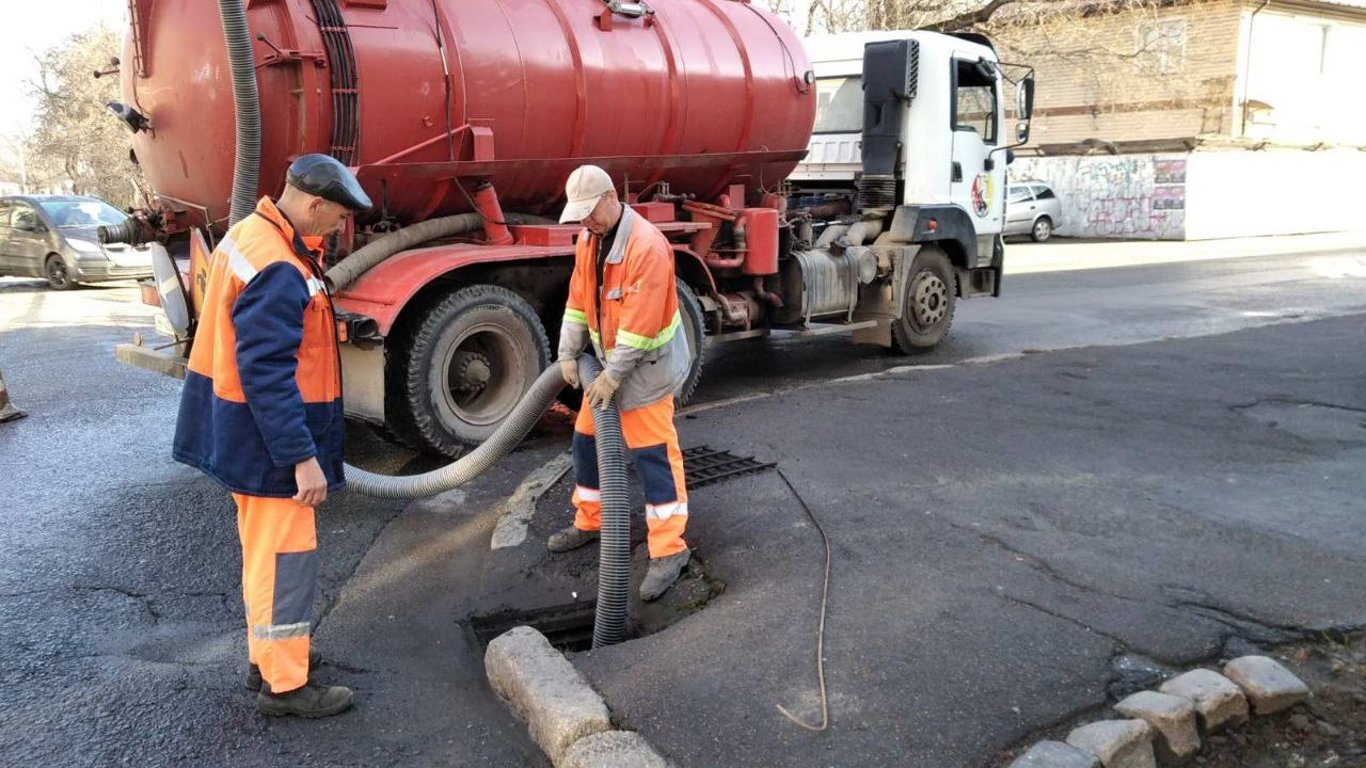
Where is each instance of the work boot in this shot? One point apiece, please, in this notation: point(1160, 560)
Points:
point(254, 680)
point(312, 700)
point(569, 538)
point(663, 573)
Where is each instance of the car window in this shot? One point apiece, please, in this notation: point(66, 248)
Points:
point(68, 214)
point(1018, 194)
point(1044, 193)
point(25, 217)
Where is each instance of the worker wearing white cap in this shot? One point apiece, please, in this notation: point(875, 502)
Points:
point(622, 299)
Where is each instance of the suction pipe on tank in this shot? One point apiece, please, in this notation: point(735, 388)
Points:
point(247, 108)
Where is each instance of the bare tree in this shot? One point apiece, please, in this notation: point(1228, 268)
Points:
point(76, 139)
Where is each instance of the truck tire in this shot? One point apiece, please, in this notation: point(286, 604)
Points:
point(691, 310)
point(930, 300)
point(465, 365)
point(693, 326)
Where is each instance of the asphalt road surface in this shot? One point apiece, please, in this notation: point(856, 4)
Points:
point(1151, 486)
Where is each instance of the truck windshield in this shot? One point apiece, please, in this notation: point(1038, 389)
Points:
point(839, 105)
point(74, 214)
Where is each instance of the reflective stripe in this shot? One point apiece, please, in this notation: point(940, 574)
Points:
point(575, 316)
point(316, 286)
point(587, 494)
point(666, 511)
point(280, 631)
point(237, 262)
point(646, 343)
point(595, 336)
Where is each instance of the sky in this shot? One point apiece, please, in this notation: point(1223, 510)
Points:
point(27, 28)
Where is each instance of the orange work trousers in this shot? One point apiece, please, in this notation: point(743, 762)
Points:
point(279, 584)
point(653, 445)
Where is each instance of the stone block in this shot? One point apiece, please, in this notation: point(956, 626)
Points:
point(612, 749)
point(1269, 686)
point(1118, 743)
point(1055, 754)
point(1217, 700)
point(545, 690)
point(1172, 717)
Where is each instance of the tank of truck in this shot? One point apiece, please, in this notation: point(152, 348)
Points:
point(696, 93)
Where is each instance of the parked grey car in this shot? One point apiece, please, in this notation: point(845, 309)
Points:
point(54, 237)
point(1032, 209)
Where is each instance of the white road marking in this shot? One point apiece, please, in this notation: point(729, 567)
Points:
point(517, 510)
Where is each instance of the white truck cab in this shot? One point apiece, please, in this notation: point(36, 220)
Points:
point(940, 139)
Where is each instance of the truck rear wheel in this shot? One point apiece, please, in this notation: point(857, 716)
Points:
point(930, 299)
point(464, 367)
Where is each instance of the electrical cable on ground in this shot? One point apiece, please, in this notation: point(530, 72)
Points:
point(820, 631)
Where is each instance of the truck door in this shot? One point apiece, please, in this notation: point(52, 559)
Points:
point(976, 132)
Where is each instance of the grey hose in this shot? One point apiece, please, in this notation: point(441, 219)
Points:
point(247, 107)
point(476, 462)
point(614, 554)
point(348, 269)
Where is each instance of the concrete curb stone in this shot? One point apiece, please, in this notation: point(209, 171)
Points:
point(1218, 701)
point(1268, 685)
point(1171, 717)
point(612, 749)
point(1055, 754)
point(545, 690)
point(1118, 743)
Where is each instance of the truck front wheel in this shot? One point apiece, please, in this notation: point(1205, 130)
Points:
point(927, 312)
point(463, 368)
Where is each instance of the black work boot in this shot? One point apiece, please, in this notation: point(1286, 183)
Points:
point(312, 700)
point(254, 680)
point(569, 538)
point(663, 572)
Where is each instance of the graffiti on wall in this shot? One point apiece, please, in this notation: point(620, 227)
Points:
point(1122, 196)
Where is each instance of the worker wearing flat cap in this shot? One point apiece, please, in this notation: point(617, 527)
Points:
point(261, 413)
point(623, 300)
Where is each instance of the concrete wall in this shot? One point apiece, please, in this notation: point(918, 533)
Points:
point(1121, 196)
point(1240, 193)
point(1203, 195)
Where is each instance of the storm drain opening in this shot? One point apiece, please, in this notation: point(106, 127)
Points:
point(704, 465)
point(568, 627)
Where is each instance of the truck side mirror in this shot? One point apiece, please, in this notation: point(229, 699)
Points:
point(1024, 98)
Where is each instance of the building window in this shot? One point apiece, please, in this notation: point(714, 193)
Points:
point(974, 101)
point(1162, 46)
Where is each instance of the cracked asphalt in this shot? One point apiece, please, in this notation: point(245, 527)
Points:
point(1174, 475)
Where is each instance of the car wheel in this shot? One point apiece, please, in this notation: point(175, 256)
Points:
point(58, 278)
point(1043, 229)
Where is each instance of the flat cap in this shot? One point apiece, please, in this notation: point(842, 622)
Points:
point(325, 177)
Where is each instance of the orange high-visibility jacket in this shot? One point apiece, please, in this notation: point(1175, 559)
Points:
point(639, 338)
point(263, 388)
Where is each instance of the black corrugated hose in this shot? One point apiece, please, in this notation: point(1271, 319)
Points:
point(247, 106)
point(614, 554)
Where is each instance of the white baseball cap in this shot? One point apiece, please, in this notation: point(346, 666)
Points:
point(586, 185)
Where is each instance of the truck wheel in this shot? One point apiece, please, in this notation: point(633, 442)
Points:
point(1043, 229)
point(464, 367)
point(58, 278)
point(691, 311)
point(930, 299)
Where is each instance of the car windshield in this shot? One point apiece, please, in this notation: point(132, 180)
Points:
point(71, 214)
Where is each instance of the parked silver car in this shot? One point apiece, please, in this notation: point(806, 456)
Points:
point(1032, 209)
point(54, 237)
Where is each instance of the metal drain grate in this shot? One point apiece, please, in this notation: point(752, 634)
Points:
point(567, 627)
point(704, 466)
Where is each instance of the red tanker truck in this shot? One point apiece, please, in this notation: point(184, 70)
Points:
point(462, 120)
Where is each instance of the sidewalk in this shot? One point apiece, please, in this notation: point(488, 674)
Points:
point(1060, 254)
point(1093, 517)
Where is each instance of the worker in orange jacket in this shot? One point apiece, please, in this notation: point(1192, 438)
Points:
point(622, 299)
point(261, 413)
